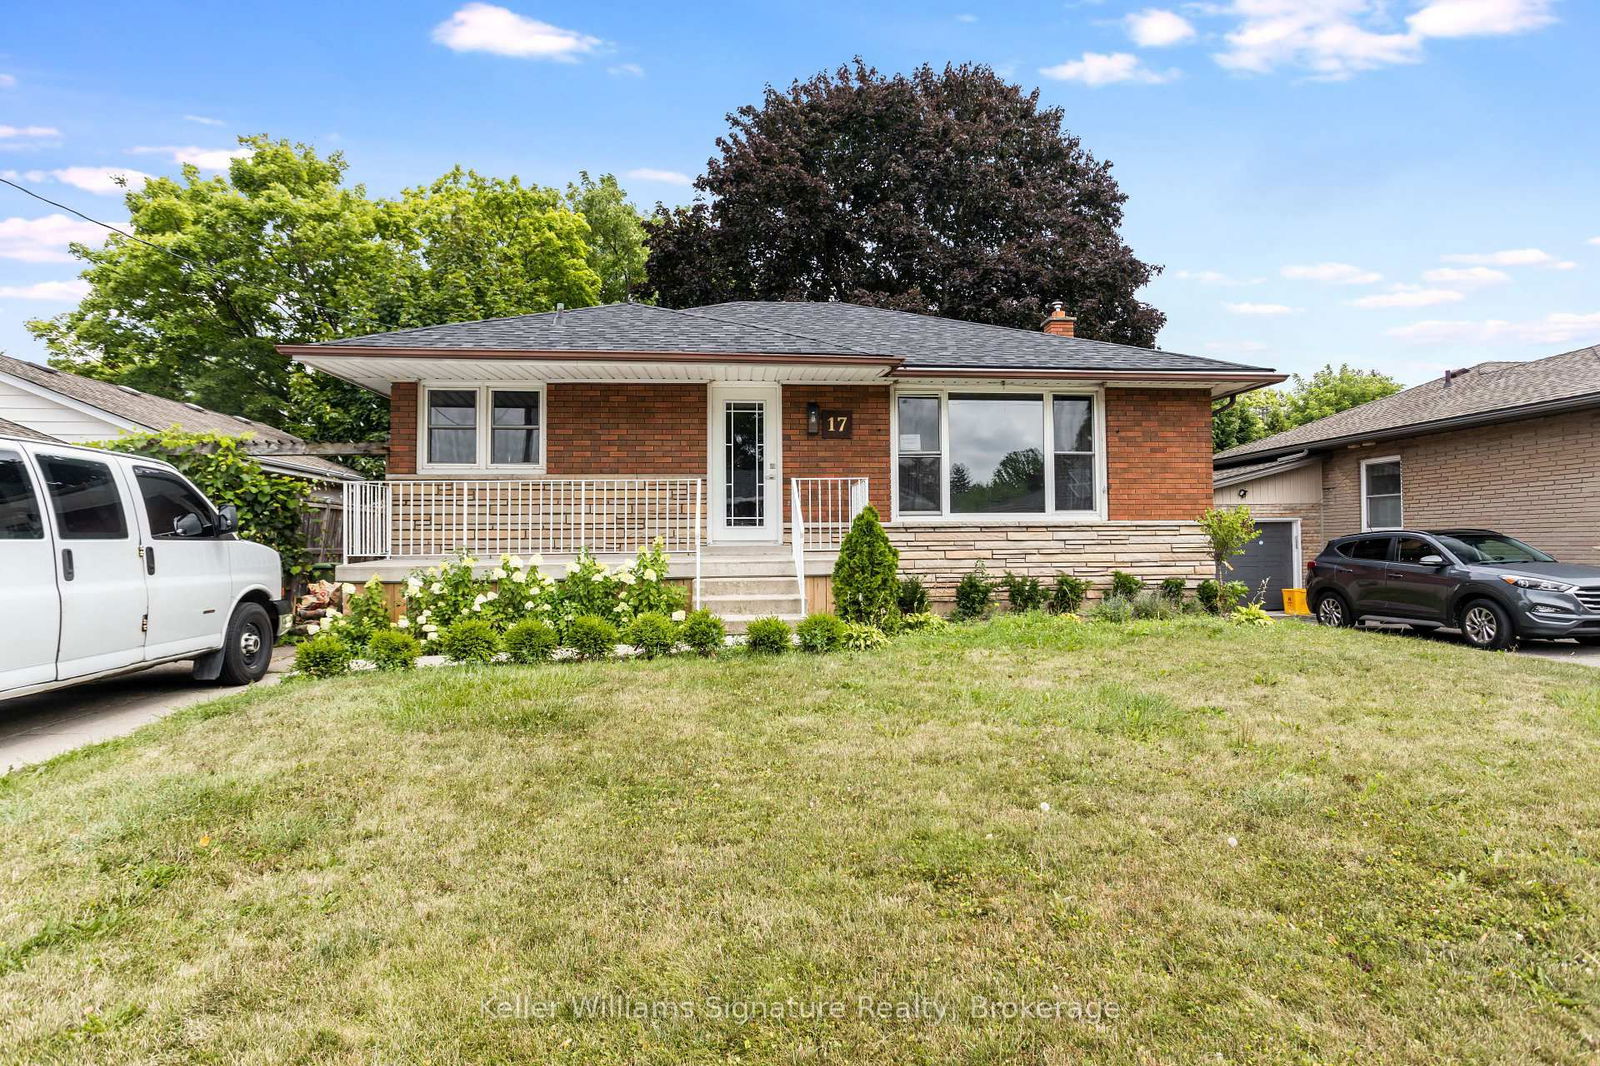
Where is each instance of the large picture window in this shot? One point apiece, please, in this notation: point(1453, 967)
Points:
point(483, 427)
point(1381, 506)
point(996, 453)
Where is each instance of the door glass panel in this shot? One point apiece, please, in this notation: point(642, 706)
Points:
point(85, 498)
point(996, 453)
point(20, 518)
point(1372, 549)
point(744, 430)
point(167, 498)
point(1411, 550)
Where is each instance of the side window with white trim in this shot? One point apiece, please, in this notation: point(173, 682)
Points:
point(1380, 490)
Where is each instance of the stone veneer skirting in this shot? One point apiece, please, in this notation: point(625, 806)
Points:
point(940, 553)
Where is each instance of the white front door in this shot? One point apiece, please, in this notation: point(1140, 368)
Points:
point(746, 464)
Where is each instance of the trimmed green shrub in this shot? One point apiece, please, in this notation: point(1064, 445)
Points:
point(1112, 608)
point(365, 613)
point(703, 632)
point(592, 637)
point(1173, 589)
point(469, 640)
point(767, 636)
point(1209, 594)
point(912, 597)
point(925, 620)
point(820, 633)
point(1125, 584)
point(858, 636)
point(392, 649)
point(1232, 593)
point(974, 595)
point(1067, 595)
point(1152, 604)
point(530, 641)
point(653, 633)
point(864, 583)
point(324, 655)
point(1023, 593)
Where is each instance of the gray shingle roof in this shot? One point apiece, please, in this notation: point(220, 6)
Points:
point(1482, 393)
point(158, 413)
point(16, 429)
point(775, 328)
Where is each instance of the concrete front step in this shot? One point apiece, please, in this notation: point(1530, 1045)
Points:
point(779, 585)
point(747, 567)
point(752, 606)
point(737, 623)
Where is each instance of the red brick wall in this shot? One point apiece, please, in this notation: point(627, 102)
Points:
point(865, 454)
point(1158, 453)
point(650, 430)
point(403, 427)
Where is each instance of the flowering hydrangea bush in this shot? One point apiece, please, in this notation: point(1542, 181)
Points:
point(439, 595)
point(644, 588)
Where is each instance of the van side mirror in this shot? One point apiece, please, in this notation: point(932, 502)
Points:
point(189, 525)
point(1431, 560)
point(227, 519)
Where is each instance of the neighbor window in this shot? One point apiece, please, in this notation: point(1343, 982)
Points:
point(1380, 490)
point(996, 453)
point(484, 427)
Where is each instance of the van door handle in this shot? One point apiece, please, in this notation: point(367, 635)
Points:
point(149, 560)
point(66, 564)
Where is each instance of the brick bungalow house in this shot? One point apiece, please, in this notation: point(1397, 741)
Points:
point(1508, 446)
point(749, 434)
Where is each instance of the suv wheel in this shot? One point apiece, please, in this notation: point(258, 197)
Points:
point(247, 646)
point(1485, 624)
point(1333, 611)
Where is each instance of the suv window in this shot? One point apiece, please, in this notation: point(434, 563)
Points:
point(168, 498)
point(85, 499)
point(1412, 549)
point(1371, 549)
point(19, 507)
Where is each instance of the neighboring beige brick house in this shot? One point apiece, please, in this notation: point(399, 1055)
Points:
point(1513, 447)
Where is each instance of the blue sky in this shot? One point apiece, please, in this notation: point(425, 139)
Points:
point(1401, 184)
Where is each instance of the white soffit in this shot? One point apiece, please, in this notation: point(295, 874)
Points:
point(376, 373)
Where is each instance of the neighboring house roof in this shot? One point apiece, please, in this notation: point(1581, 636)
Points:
point(838, 330)
point(156, 413)
point(16, 429)
point(1489, 392)
point(1233, 475)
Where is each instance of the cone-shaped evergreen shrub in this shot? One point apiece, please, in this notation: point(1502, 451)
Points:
point(865, 581)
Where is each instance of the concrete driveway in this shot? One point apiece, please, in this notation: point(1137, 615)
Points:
point(36, 728)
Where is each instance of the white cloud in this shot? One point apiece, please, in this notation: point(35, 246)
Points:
point(966, 18)
point(1475, 275)
point(1408, 296)
point(1096, 69)
point(632, 70)
point(665, 177)
point(479, 27)
point(1594, 240)
point(98, 180)
point(7, 81)
point(45, 240)
point(1332, 274)
point(1512, 257)
point(1480, 18)
point(1560, 328)
point(1214, 277)
point(204, 120)
point(18, 132)
point(1154, 28)
point(58, 291)
point(204, 158)
point(1261, 309)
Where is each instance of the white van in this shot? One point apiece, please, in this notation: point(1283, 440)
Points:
point(111, 563)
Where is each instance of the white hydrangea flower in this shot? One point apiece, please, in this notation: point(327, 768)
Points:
point(598, 575)
point(413, 584)
point(333, 612)
point(430, 629)
point(678, 616)
point(403, 623)
point(469, 561)
point(492, 595)
point(528, 606)
point(626, 578)
point(313, 629)
point(649, 574)
point(520, 577)
point(348, 589)
point(535, 559)
point(512, 562)
point(498, 573)
point(438, 586)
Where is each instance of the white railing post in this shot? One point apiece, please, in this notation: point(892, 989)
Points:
point(797, 536)
point(698, 521)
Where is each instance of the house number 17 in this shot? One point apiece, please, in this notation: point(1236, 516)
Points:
point(837, 423)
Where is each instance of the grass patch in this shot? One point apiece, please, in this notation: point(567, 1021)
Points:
point(1288, 844)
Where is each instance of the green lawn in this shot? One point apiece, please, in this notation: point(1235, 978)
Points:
point(1282, 845)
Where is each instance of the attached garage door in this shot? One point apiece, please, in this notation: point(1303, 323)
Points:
point(1269, 558)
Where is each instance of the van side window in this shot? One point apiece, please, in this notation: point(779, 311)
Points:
point(19, 507)
point(85, 499)
point(168, 498)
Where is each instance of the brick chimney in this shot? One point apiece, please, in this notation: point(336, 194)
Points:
point(1060, 323)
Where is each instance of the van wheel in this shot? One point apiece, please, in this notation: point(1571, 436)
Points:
point(247, 646)
point(1333, 611)
point(1486, 625)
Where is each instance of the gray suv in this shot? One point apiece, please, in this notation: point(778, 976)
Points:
point(1492, 587)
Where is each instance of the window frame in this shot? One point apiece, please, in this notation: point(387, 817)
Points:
point(1366, 521)
point(209, 516)
point(36, 489)
point(1049, 391)
point(58, 521)
point(483, 411)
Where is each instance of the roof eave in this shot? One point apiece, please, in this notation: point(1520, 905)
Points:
point(301, 352)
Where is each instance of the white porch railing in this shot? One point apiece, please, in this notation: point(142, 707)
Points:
point(419, 519)
point(820, 512)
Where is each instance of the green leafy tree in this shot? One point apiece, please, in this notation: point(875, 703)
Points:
point(1229, 529)
point(865, 582)
point(616, 235)
point(271, 506)
point(946, 192)
point(1258, 415)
